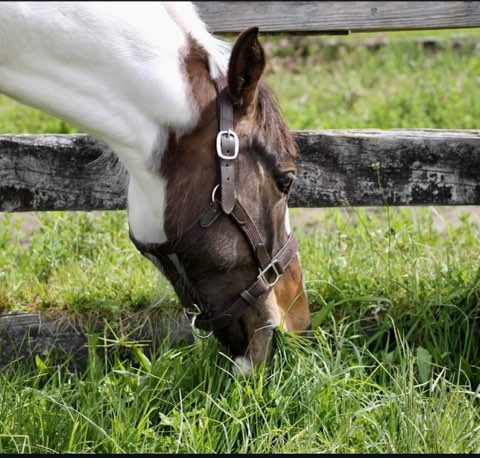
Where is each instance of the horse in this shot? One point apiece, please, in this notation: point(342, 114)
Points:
point(209, 156)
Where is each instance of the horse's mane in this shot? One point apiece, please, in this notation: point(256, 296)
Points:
point(270, 120)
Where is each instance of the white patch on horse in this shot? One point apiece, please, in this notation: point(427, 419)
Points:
point(288, 229)
point(242, 366)
point(113, 69)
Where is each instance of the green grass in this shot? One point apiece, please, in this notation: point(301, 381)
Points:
point(16, 118)
point(394, 363)
point(76, 261)
point(392, 266)
point(327, 395)
point(399, 86)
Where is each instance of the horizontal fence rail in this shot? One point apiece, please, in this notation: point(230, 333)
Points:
point(338, 17)
point(24, 335)
point(335, 168)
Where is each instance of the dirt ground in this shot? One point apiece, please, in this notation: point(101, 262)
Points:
point(310, 218)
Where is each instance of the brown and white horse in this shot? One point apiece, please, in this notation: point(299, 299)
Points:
point(210, 159)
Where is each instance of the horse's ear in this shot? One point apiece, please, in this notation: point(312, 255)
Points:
point(247, 63)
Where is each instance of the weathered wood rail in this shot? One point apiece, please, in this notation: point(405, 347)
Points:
point(338, 17)
point(347, 167)
point(335, 168)
point(26, 334)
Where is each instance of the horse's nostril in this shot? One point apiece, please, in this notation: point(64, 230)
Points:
point(306, 333)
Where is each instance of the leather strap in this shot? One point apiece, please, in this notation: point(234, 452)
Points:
point(247, 226)
point(220, 316)
point(227, 149)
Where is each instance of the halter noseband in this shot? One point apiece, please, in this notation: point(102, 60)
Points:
point(270, 268)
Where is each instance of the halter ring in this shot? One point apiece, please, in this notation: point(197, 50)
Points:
point(213, 194)
point(195, 330)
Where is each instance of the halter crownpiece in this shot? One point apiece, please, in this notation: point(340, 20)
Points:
point(271, 268)
point(227, 150)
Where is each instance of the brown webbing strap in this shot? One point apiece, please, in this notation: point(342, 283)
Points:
point(227, 150)
point(154, 252)
point(250, 231)
point(220, 316)
point(217, 319)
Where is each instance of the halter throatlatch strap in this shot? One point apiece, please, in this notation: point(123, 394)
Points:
point(270, 268)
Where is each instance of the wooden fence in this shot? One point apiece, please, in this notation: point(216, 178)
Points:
point(336, 167)
point(348, 167)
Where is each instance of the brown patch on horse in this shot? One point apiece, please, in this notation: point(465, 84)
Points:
point(221, 264)
point(292, 299)
point(276, 135)
point(186, 159)
point(196, 67)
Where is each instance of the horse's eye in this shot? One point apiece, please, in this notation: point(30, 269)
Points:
point(284, 182)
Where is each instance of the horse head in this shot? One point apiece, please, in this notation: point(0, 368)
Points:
point(230, 253)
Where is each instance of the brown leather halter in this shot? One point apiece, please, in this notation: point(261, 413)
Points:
point(270, 268)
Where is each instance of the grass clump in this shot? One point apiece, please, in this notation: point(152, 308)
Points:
point(324, 395)
point(367, 264)
point(76, 261)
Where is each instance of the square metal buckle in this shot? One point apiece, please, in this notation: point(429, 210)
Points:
point(262, 273)
point(230, 133)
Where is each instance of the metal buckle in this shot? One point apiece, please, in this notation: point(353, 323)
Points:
point(264, 271)
point(195, 313)
point(230, 133)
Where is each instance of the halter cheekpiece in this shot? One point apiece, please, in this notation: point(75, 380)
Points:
point(271, 268)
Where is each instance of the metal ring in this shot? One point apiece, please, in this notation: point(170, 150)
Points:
point(195, 313)
point(214, 191)
point(196, 332)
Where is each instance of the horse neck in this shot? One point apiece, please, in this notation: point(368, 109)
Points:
point(113, 70)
